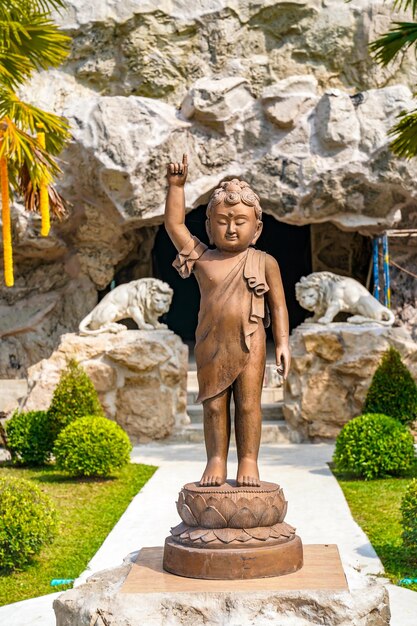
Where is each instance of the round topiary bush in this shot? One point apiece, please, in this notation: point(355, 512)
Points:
point(374, 445)
point(74, 397)
point(92, 446)
point(28, 519)
point(409, 516)
point(29, 437)
point(393, 391)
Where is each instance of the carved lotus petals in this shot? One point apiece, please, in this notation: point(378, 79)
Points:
point(270, 517)
point(259, 533)
point(243, 536)
point(243, 503)
point(187, 516)
point(258, 507)
point(211, 518)
point(178, 530)
point(244, 518)
point(210, 536)
point(225, 510)
point(284, 512)
point(226, 535)
point(189, 501)
point(198, 533)
point(198, 505)
point(200, 536)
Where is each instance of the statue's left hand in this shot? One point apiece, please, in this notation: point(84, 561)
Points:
point(283, 358)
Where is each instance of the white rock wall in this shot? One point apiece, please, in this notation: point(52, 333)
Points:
point(281, 94)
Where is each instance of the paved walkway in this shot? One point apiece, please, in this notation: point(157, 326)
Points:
point(316, 507)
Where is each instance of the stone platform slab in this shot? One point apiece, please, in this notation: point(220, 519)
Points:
point(140, 593)
point(322, 569)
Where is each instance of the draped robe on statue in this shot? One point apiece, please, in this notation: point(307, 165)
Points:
point(230, 312)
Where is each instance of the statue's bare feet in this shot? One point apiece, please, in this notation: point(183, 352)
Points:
point(248, 473)
point(214, 474)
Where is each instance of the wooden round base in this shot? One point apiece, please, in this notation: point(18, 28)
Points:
point(233, 564)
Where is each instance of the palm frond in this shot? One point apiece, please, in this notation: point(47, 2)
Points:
point(30, 119)
point(400, 37)
point(25, 6)
point(31, 195)
point(14, 69)
point(29, 166)
point(29, 41)
point(405, 5)
point(404, 133)
point(34, 40)
point(19, 147)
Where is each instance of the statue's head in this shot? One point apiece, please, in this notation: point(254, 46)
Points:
point(234, 216)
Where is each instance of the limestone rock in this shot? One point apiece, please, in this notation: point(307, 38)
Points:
point(287, 99)
point(267, 96)
point(332, 368)
point(337, 123)
point(217, 102)
point(140, 376)
point(156, 49)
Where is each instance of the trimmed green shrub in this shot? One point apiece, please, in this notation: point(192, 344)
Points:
point(92, 446)
point(374, 445)
point(74, 397)
point(27, 520)
point(29, 437)
point(393, 391)
point(409, 515)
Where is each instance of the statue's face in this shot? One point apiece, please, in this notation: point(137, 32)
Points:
point(233, 228)
point(308, 298)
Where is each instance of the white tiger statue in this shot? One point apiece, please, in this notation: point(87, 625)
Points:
point(143, 300)
point(327, 294)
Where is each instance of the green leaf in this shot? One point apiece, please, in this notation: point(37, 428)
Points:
point(401, 36)
point(29, 118)
point(404, 132)
point(24, 6)
point(405, 5)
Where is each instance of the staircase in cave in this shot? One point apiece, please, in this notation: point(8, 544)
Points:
point(274, 427)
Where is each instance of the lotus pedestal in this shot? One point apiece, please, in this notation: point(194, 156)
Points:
point(232, 532)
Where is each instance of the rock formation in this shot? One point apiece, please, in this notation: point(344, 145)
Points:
point(288, 89)
point(332, 368)
point(140, 377)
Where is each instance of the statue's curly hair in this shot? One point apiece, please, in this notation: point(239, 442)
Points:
point(234, 191)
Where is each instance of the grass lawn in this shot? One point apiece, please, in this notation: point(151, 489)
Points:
point(375, 505)
point(88, 509)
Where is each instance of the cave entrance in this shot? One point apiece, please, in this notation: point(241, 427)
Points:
point(290, 245)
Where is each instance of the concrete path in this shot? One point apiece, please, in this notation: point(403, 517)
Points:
point(317, 509)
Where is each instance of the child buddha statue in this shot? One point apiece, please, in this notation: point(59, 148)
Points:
point(241, 293)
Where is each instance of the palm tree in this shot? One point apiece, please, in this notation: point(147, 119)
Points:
point(30, 138)
point(401, 36)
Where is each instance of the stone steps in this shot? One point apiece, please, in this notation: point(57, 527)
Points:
point(274, 428)
point(270, 395)
point(271, 412)
point(275, 431)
